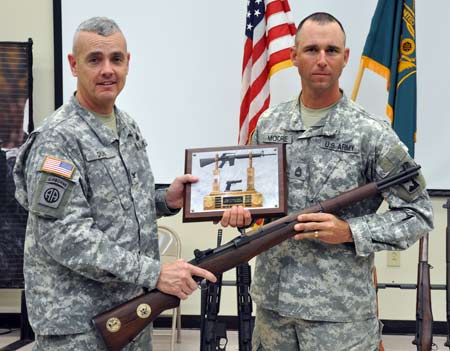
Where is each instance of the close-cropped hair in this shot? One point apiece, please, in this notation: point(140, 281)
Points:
point(321, 18)
point(99, 25)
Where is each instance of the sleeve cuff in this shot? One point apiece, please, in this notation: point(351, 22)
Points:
point(161, 206)
point(149, 273)
point(361, 236)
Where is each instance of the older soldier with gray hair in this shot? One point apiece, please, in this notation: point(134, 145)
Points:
point(316, 292)
point(84, 175)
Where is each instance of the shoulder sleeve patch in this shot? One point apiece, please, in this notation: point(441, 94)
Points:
point(396, 159)
point(57, 166)
point(51, 196)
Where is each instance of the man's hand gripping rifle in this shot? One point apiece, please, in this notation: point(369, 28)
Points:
point(123, 323)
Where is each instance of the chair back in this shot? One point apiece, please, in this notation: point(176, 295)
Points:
point(169, 244)
point(170, 250)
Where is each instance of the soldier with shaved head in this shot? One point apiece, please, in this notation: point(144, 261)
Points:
point(84, 175)
point(315, 291)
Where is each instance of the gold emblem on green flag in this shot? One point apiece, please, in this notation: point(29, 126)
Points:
point(390, 51)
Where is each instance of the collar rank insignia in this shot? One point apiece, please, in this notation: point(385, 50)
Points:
point(57, 166)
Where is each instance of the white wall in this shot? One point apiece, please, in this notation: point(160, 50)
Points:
point(186, 71)
point(20, 19)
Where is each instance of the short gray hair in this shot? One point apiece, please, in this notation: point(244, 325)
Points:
point(99, 25)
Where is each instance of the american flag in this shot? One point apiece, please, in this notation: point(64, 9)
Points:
point(56, 166)
point(270, 32)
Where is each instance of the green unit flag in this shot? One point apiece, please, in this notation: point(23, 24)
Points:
point(390, 51)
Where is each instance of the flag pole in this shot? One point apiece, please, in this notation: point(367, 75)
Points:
point(358, 81)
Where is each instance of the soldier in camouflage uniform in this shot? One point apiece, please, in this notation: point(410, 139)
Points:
point(84, 176)
point(315, 292)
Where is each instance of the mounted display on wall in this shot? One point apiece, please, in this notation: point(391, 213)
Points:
point(16, 122)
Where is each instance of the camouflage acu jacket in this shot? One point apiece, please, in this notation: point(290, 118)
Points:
point(313, 280)
point(91, 239)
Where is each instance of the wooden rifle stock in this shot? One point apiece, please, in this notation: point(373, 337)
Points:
point(123, 323)
point(424, 313)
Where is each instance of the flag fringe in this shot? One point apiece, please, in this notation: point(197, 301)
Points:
point(378, 68)
point(279, 66)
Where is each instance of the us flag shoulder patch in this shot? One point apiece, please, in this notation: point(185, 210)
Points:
point(57, 166)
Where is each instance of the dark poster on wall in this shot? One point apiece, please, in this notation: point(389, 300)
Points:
point(15, 124)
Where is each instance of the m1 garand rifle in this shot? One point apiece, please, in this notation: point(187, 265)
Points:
point(213, 332)
point(447, 206)
point(230, 157)
point(123, 323)
point(244, 304)
point(424, 314)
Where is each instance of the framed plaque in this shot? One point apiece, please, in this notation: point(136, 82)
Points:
point(252, 176)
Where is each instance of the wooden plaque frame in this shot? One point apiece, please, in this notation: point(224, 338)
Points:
point(260, 169)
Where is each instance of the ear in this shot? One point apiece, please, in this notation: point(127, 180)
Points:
point(128, 62)
point(346, 55)
point(72, 64)
point(294, 55)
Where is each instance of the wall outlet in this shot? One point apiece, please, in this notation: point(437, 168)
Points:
point(393, 259)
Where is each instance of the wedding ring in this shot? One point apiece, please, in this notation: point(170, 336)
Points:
point(316, 234)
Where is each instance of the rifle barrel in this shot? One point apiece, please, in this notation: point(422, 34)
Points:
point(424, 314)
point(399, 178)
point(409, 286)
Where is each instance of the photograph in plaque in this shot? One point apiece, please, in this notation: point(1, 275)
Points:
point(251, 176)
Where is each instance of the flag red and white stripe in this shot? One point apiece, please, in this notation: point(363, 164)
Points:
point(270, 32)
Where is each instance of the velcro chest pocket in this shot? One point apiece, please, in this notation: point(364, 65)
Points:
point(108, 176)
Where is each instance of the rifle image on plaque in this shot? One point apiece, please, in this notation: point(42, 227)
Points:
point(230, 157)
point(222, 200)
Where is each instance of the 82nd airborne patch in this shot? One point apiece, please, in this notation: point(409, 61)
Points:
point(53, 191)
